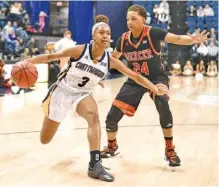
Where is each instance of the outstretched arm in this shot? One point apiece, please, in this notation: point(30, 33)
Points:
point(45, 58)
point(187, 39)
point(116, 54)
point(117, 64)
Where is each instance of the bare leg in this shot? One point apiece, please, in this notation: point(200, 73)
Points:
point(87, 108)
point(168, 132)
point(112, 135)
point(48, 130)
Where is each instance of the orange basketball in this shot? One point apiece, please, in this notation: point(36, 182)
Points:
point(24, 74)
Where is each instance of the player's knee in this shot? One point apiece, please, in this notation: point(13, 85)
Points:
point(161, 101)
point(111, 126)
point(113, 117)
point(166, 119)
point(92, 116)
point(44, 140)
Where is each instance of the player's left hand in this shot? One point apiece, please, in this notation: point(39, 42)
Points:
point(200, 38)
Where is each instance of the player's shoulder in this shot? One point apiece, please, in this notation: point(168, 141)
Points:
point(153, 29)
point(81, 47)
point(78, 51)
point(125, 35)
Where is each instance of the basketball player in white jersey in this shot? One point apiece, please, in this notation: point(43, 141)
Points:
point(88, 65)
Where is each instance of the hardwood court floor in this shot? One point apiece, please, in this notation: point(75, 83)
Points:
point(63, 162)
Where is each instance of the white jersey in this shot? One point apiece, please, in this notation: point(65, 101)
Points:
point(82, 75)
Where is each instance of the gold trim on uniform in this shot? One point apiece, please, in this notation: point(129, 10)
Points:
point(46, 101)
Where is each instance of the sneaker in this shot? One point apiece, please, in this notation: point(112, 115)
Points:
point(99, 172)
point(109, 151)
point(171, 157)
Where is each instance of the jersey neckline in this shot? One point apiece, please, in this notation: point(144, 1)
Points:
point(90, 51)
point(140, 38)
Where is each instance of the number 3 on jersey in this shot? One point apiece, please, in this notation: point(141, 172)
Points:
point(141, 69)
point(85, 81)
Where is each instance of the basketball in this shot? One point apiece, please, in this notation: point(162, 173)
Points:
point(24, 74)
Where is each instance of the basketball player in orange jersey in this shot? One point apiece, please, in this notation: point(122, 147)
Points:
point(88, 64)
point(141, 46)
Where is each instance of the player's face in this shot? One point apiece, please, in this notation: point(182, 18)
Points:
point(68, 36)
point(135, 22)
point(102, 36)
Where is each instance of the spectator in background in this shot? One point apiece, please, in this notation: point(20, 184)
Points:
point(164, 6)
point(176, 69)
point(12, 36)
point(192, 11)
point(156, 10)
point(2, 14)
point(203, 51)
point(188, 69)
point(200, 68)
point(148, 19)
point(42, 23)
point(4, 83)
point(15, 25)
point(19, 46)
point(25, 54)
point(26, 20)
point(200, 12)
point(197, 31)
point(64, 43)
point(212, 51)
point(30, 28)
point(163, 18)
point(208, 11)
point(194, 54)
point(15, 9)
point(15, 12)
point(213, 36)
point(21, 33)
point(22, 11)
point(212, 69)
point(8, 28)
point(31, 44)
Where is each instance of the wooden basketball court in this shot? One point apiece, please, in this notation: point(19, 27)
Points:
point(24, 161)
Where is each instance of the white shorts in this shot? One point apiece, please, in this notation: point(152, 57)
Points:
point(58, 102)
